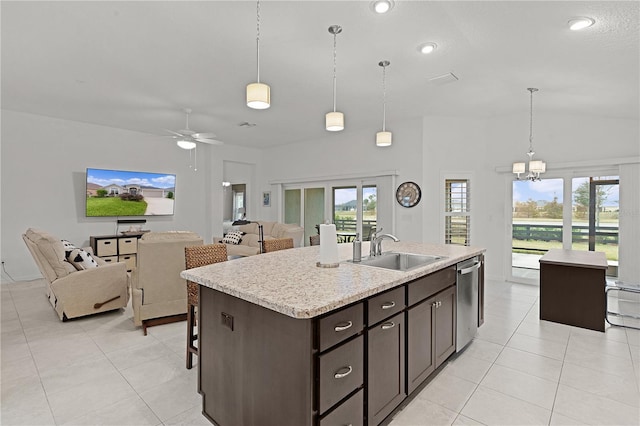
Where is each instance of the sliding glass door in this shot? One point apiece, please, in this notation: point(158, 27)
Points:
point(595, 224)
point(536, 224)
point(304, 207)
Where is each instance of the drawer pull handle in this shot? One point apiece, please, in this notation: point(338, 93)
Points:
point(347, 370)
point(106, 242)
point(388, 305)
point(388, 325)
point(343, 326)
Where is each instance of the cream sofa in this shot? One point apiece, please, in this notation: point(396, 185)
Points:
point(250, 245)
point(71, 292)
point(159, 294)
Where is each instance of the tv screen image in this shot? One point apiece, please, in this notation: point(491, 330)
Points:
point(126, 193)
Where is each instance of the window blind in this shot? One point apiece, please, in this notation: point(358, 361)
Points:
point(457, 212)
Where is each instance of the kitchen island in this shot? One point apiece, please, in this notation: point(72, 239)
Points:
point(284, 342)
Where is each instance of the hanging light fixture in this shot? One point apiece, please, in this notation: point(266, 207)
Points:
point(258, 94)
point(334, 121)
point(536, 167)
point(384, 138)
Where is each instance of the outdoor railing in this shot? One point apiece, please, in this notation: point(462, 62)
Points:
point(579, 233)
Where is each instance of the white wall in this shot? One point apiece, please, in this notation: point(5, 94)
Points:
point(44, 162)
point(352, 153)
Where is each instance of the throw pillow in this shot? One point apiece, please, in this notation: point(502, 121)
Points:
point(233, 237)
point(68, 246)
point(81, 259)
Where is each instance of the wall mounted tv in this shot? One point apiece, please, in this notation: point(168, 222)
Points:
point(121, 193)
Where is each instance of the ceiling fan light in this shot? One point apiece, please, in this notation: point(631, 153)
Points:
point(334, 121)
point(258, 96)
point(384, 138)
point(186, 144)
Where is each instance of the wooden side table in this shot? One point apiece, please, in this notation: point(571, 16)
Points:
point(572, 288)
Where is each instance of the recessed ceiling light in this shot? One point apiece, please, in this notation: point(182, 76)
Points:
point(382, 6)
point(427, 48)
point(580, 23)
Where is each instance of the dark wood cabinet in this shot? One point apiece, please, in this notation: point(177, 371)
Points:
point(420, 360)
point(386, 370)
point(444, 325)
point(431, 324)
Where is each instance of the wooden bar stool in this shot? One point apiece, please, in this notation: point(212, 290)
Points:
point(196, 256)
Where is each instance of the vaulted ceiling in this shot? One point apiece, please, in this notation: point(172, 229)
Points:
point(136, 64)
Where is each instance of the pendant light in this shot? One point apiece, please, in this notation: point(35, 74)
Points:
point(536, 167)
point(258, 94)
point(384, 138)
point(334, 121)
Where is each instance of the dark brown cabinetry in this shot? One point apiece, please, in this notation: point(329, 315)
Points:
point(386, 372)
point(431, 327)
point(353, 366)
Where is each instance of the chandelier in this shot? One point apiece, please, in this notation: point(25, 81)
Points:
point(536, 167)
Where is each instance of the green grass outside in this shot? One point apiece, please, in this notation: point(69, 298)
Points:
point(366, 215)
point(611, 250)
point(114, 206)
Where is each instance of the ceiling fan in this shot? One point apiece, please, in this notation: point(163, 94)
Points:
point(187, 138)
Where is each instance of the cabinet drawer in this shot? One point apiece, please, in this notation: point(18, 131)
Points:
point(129, 260)
point(424, 287)
point(110, 259)
point(341, 325)
point(127, 245)
point(385, 305)
point(341, 372)
point(107, 247)
point(349, 412)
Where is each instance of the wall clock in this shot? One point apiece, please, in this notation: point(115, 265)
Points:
point(408, 194)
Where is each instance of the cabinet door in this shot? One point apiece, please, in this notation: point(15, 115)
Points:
point(445, 325)
point(386, 373)
point(420, 362)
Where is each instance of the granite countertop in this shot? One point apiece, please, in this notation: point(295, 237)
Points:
point(585, 259)
point(289, 282)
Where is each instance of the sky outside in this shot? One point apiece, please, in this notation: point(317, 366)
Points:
point(547, 189)
point(344, 195)
point(119, 177)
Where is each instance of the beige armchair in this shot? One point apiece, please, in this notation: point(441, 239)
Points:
point(71, 292)
point(159, 295)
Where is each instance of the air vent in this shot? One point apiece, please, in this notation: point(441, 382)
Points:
point(443, 79)
point(246, 124)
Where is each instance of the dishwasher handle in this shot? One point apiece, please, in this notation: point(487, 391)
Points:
point(470, 269)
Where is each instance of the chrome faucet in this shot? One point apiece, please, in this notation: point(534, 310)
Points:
point(375, 247)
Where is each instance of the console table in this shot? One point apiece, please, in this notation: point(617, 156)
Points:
point(572, 288)
point(117, 248)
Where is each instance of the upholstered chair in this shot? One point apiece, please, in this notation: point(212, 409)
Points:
point(77, 292)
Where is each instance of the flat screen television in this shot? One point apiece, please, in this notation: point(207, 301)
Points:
point(118, 193)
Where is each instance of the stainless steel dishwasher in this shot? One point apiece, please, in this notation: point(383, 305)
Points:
point(467, 301)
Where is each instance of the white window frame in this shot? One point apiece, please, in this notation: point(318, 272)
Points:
point(444, 177)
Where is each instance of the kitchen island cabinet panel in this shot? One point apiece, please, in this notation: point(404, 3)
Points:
point(243, 347)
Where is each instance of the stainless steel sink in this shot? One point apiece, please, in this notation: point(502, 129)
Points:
point(399, 261)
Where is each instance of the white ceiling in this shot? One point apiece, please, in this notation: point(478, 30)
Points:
point(136, 64)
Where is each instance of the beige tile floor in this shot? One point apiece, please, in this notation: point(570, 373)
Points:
point(518, 370)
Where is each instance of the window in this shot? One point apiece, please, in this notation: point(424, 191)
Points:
point(457, 214)
point(351, 216)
